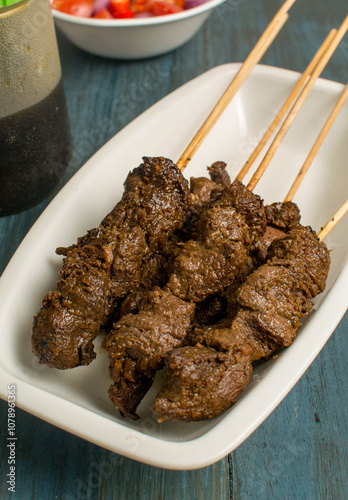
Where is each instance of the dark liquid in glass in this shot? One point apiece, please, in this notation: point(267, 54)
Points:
point(35, 150)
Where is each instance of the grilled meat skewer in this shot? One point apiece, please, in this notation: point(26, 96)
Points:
point(109, 262)
point(226, 228)
point(153, 322)
point(204, 379)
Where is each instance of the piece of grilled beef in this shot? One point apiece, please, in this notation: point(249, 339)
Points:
point(217, 172)
point(220, 248)
point(139, 343)
point(204, 379)
point(202, 191)
point(109, 262)
point(281, 218)
point(283, 215)
point(278, 215)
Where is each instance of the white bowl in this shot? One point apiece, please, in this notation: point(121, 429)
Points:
point(134, 38)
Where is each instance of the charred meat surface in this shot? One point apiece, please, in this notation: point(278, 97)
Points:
point(109, 262)
point(268, 308)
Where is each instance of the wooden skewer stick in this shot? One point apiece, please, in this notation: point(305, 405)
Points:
point(333, 221)
point(253, 58)
point(268, 134)
point(317, 144)
point(298, 104)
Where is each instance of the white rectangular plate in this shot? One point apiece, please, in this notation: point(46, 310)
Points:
point(76, 400)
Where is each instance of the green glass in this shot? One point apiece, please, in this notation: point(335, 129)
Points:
point(34, 128)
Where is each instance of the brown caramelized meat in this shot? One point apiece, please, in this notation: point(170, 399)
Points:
point(202, 191)
point(281, 217)
point(284, 215)
point(204, 379)
point(171, 276)
point(109, 262)
point(224, 236)
point(201, 268)
point(69, 319)
point(138, 344)
point(206, 383)
point(218, 174)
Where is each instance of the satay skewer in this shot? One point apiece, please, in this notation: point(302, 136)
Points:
point(119, 339)
point(105, 243)
point(298, 105)
point(205, 377)
point(296, 184)
point(280, 115)
point(253, 58)
point(120, 355)
point(333, 221)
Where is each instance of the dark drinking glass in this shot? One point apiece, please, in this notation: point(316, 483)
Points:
point(34, 128)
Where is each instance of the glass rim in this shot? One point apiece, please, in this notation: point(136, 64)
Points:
point(11, 8)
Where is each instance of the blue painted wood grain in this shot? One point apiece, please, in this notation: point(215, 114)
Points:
point(300, 451)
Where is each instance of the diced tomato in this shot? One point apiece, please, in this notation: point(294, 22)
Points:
point(124, 15)
point(80, 8)
point(104, 14)
point(162, 8)
point(119, 6)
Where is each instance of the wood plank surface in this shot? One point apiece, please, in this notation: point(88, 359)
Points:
point(300, 451)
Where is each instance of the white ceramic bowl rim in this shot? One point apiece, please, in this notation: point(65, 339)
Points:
point(145, 21)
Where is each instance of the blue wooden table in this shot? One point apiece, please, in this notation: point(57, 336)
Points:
point(300, 451)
